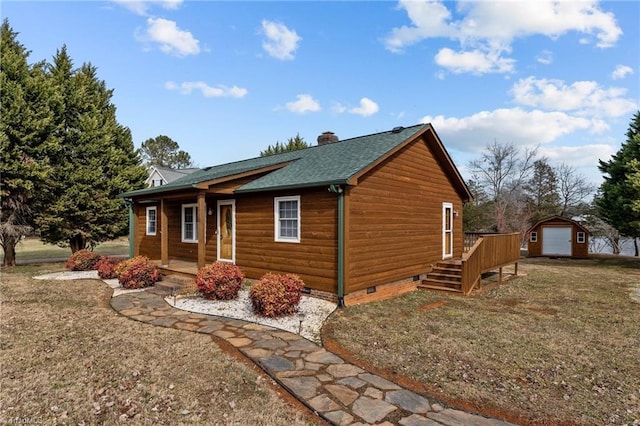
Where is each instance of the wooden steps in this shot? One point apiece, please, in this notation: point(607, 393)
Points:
point(173, 284)
point(445, 276)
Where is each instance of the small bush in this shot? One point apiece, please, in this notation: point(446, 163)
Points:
point(138, 272)
point(106, 267)
point(121, 266)
point(276, 295)
point(219, 281)
point(82, 260)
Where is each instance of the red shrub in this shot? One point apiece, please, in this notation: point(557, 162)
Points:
point(82, 260)
point(220, 281)
point(276, 295)
point(106, 267)
point(138, 272)
point(121, 266)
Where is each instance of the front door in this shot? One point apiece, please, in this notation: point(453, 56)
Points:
point(226, 229)
point(447, 230)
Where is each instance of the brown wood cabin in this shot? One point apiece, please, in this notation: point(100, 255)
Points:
point(351, 218)
point(558, 236)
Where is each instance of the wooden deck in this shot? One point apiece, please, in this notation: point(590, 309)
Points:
point(490, 252)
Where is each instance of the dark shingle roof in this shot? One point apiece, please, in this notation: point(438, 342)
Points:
point(170, 175)
point(333, 163)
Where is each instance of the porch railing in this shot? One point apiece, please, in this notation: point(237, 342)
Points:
point(489, 252)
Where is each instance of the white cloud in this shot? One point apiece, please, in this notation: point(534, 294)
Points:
point(304, 103)
point(281, 42)
point(545, 57)
point(621, 72)
point(141, 7)
point(474, 61)
point(172, 39)
point(488, 28)
point(219, 91)
point(517, 126)
point(367, 107)
point(577, 156)
point(582, 97)
point(429, 19)
point(338, 108)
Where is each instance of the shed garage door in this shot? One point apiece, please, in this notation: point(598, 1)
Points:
point(556, 241)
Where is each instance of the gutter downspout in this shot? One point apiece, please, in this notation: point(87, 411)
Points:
point(129, 204)
point(338, 190)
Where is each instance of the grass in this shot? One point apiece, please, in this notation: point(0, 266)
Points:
point(557, 346)
point(32, 248)
point(67, 358)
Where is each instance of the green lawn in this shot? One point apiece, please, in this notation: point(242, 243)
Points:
point(33, 249)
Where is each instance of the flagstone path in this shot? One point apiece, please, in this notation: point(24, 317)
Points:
point(336, 390)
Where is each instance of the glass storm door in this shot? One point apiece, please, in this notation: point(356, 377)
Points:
point(226, 230)
point(447, 230)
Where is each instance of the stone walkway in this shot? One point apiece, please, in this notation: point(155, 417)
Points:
point(336, 390)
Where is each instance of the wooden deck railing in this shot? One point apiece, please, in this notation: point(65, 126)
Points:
point(490, 251)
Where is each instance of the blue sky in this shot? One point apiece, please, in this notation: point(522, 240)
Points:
point(226, 79)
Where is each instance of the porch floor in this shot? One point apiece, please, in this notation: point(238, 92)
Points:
point(180, 267)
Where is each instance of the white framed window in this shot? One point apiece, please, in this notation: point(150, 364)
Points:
point(152, 220)
point(287, 219)
point(533, 237)
point(581, 237)
point(189, 223)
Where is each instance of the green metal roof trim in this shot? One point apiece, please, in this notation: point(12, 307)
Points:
point(334, 163)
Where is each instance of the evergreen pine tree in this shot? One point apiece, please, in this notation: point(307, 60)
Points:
point(292, 144)
point(542, 192)
point(97, 162)
point(617, 192)
point(26, 140)
point(162, 151)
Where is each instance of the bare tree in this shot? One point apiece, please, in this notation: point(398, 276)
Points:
point(502, 171)
point(573, 188)
point(603, 236)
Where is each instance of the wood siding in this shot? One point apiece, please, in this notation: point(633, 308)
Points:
point(179, 250)
point(578, 250)
point(313, 259)
point(395, 219)
point(147, 245)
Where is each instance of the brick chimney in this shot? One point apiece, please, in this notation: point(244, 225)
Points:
point(327, 138)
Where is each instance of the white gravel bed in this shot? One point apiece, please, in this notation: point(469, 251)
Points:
point(70, 275)
point(312, 313)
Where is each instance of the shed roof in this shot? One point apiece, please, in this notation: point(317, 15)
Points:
point(559, 218)
point(338, 163)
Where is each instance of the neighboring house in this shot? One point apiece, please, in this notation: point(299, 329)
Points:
point(558, 236)
point(349, 217)
point(161, 175)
